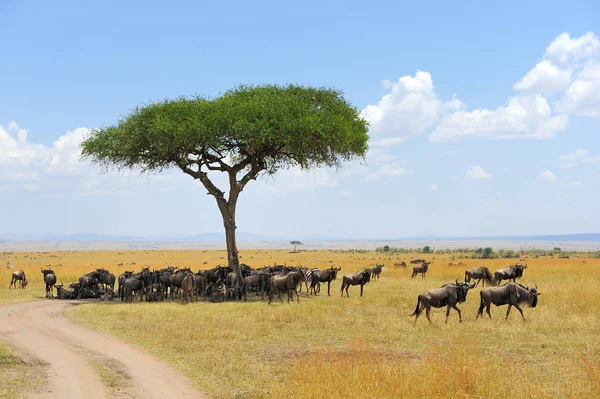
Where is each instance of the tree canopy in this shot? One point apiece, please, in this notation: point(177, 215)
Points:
point(263, 128)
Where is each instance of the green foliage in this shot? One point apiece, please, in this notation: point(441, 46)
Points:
point(487, 253)
point(269, 127)
point(386, 248)
point(426, 249)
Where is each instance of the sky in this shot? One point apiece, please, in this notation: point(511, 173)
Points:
point(484, 118)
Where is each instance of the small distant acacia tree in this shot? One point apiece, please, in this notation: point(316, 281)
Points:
point(247, 131)
point(295, 244)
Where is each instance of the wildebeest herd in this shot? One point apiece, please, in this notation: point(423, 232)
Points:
point(221, 283)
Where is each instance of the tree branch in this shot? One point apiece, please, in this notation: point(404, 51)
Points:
point(199, 175)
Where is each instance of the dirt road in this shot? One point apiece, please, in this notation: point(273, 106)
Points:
point(40, 329)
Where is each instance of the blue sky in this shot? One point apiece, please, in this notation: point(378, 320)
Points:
point(484, 118)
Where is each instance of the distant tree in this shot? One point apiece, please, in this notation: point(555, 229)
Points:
point(557, 249)
point(295, 244)
point(426, 249)
point(246, 132)
point(386, 248)
point(487, 253)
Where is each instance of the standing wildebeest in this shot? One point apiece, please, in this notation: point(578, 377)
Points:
point(177, 278)
point(377, 271)
point(511, 294)
point(359, 278)
point(448, 295)
point(287, 283)
point(106, 278)
point(509, 273)
point(257, 281)
point(18, 275)
point(233, 289)
point(187, 286)
point(323, 276)
point(122, 278)
point(89, 281)
point(481, 273)
point(50, 280)
point(421, 269)
point(401, 264)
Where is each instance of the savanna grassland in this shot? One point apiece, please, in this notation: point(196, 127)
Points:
point(364, 347)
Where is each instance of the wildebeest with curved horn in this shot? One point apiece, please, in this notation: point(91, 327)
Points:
point(18, 275)
point(448, 295)
point(50, 280)
point(89, 281)
point(359, 278)
point(63, 293)
point(511, 272)
point(107, 278)
point(323, 276)
point(511, 294)
point(481, 273)
point(421, 269)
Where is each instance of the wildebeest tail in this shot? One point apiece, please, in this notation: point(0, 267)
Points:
point(417, 308)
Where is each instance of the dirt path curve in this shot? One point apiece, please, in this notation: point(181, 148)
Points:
point(40, 328)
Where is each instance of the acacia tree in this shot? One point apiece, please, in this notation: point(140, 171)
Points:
point(245, 132)
point(295, 244)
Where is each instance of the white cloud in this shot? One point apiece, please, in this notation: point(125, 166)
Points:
point(583, 95)
point(548, 176)
point(477, 172)
point(24, 161)
point(388, 170)
point(523, 117)
point(579, 156)
point(544, 78)
point(432, 188)
point(574, 183)
point(564, 49)
point(410, 108)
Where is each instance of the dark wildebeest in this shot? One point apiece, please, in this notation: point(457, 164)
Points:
point(177, 278)
point(509, 273)
point(136, 283)
point(287, 283)
point(481, 273)
point(323, 276)
point(258, 282)
point(448, 295)
point(18, 275)
point(233, 290)
point(106, 278)
point(417, 261)
point(121, 280)
point(200, 284)
point(421, 269)
point(89, 281)
point(50, 280)
point(62, 293)
point(511, 294)
point(187, 288)
point(402, 264)
point(359, 278)
point(377, 272)
point(75, 288)
point(217, 274)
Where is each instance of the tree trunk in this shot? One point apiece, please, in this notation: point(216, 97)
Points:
point(227, 209)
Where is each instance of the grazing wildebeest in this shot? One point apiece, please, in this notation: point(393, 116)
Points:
point(377, 272)
point(187, 286)
point(359, 278)
point(421, 269)
point(62, 293)
point(511, 294)
point(401, 264)
point(417, 261)
point(122, 278)
point(50, 280)
point(511, 272)
point(287, 283)
point(18, 275)
point(481, 273)
point(323, 276)
point(448, 295)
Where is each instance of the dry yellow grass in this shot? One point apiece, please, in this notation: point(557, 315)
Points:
point(356, 347)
